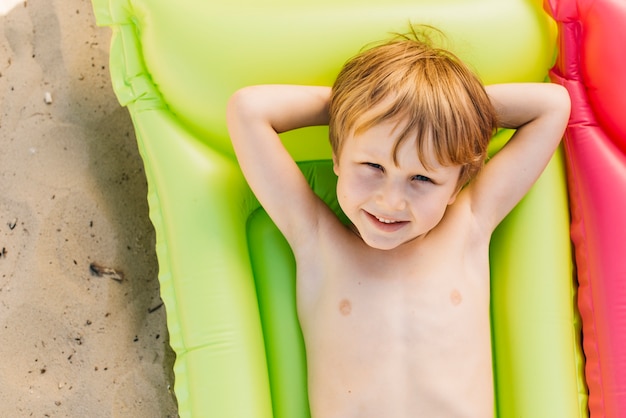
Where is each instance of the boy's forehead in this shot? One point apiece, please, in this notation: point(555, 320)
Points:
point(389, 128)
point(377, 121)
point(384, 140)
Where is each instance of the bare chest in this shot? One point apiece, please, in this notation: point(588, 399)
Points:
point(426, 309)
point(418, 334)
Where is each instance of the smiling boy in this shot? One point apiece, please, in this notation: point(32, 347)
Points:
point(394, 307)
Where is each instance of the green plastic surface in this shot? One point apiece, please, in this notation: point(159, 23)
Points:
point(226, 273)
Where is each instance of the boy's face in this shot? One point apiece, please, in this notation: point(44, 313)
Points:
point(391, 204)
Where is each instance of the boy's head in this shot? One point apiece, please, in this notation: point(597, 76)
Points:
point(427, 90)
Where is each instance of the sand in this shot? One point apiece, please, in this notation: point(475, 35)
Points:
point(82, 326)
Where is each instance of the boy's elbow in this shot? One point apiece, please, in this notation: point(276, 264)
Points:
point(561, 101)
point(245, 110)
point(239, 114)
point(239, 104)
point(560, 109)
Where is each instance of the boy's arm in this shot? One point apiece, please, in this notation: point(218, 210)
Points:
point(255, 116)
point(539, 112)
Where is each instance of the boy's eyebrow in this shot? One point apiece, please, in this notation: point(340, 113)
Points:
point(366, 154)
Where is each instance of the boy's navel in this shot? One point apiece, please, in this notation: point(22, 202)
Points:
point(455, 297)
point(345, 307)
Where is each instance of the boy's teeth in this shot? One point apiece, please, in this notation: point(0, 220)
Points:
point(386, 221)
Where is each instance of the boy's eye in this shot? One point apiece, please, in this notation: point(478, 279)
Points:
point(419, 177)
point(375, 166)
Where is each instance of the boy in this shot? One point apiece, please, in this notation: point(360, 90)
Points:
point(394, 308)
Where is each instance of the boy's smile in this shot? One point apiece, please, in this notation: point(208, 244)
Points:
point(385, 223)
point(391, 202)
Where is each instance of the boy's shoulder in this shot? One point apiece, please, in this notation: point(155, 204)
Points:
point(336, 243)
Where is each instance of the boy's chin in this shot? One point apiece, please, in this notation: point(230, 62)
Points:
point(378, 244)
point(383, 246)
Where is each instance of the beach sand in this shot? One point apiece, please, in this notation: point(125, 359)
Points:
point(75, 340)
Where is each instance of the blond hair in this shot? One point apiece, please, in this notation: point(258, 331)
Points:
point(429, 89)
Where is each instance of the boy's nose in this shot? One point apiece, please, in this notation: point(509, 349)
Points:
point(392, 196)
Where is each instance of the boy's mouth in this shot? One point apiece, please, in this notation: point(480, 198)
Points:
point(385, 221)
point(386, 224)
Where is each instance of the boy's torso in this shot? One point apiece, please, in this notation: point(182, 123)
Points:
point(398, 334)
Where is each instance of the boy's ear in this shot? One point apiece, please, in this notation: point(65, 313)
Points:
point(454, 195)
point(335, 164)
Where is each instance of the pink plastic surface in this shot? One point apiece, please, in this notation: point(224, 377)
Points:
point(592, 65)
